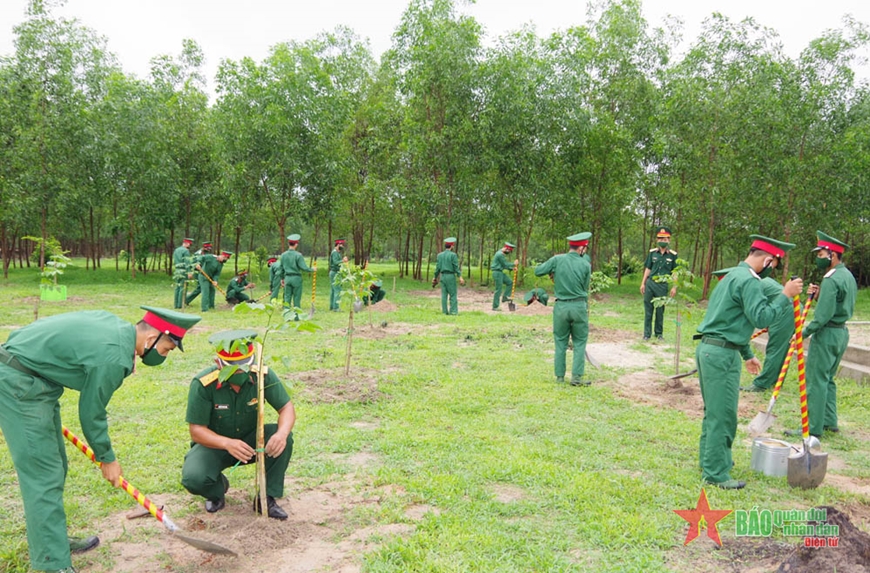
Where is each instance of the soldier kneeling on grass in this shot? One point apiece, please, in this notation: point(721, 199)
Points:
point(537, 294)
point(376, 294)
point(237, 287)
point(223, 424)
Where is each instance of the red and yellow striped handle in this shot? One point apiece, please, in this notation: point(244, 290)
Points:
point(314, 283)
point(125, 485)
point(757, 334)
point(802, 377)
point(799, 320)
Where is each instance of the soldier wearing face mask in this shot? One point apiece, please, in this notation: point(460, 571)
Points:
point(737, 306)
point(660, 262)
point(836, 304)
point(336, 259)
point(90, 352)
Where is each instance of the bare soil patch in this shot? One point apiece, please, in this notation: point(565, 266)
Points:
point(383, 306)
point(332, 386)
point(737, 555)
point(318, 536)
point(380, 329)
point(852, 553)
point(507, 493)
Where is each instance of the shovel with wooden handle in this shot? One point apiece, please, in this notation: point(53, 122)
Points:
point(157, 512)
point(511, 305)
point(211, 280)
point(806, 469)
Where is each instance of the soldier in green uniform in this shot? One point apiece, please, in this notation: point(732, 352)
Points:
point(447, 270)
point(779, 335)
point(181, 260)
point(537, 294)
point(737, 306)
point(195, 261)
point(503, 282)
point(293, 265)
point(211, 268)
point(660, 262)
point(237, 287)
point(222, 418)
point(571, 273)
point(276, 276)
point(336, 259)
point(87, 351)
point(829, 333)
point(376, 294)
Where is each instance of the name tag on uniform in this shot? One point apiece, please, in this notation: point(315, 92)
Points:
point(221, 406)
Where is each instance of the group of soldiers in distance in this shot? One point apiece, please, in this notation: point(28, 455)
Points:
point(285, 271)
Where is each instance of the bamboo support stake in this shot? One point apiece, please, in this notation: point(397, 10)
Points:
point(261, 452)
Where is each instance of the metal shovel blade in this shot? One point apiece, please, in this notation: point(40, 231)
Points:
point(761, 423)
point(591, 360)
point(311, 312)
point(683, 375)
point(511, 306)
point(203, 544)
point(807, 469)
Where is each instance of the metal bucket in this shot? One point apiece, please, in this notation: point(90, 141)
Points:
point(770, 457)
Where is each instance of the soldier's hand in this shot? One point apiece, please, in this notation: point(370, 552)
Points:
point(344, 260)
point(275, 446)
point(643, 288)
point(753, 366)
point(793, 287)
point(112, 472)
point(250, 285)
point(461, 281)
point(240, 450)
point(673, 292)
point(813, 289)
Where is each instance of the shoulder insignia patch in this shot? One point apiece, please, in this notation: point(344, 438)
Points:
point(653, 250)
point(673, 252)
point(830, 272)
point(210, 377)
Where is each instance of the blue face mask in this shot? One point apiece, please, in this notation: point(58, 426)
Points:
point(151, 357)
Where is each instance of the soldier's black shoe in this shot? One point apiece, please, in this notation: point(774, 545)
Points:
point(730, 484)
point(215, 505)
point(579, 382)
point(274, 509)
point(832, 429)
point(226, 483)
point(645, 338)
point(80, 545)
point(752, 388)
point(659, 337)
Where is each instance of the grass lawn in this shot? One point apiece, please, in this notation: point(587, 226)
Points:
point(449, 448)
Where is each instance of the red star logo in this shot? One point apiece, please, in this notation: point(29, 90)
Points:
point(702, 516)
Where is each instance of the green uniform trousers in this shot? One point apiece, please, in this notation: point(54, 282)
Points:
point(179, 292)
point(778, 343)
point(448, 290)
point(240, 297)
point(30, 421)
point(653, 290)
point(293, 290)
point(201, 472)
point(334, 291)
point(193, 294)
point(719, 372)
point(207, 289)
point(503, 286)
point(823, 361)
point(571, 320)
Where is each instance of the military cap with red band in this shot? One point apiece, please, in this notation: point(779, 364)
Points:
point(450, 241)
point(770, 246)
point(663, 233)
point(227, 254)
point(830, 243)
point(169, 322)
point(294, 238)
point(579, 240)
point(340, 241)
point(271, 260)
point(510, 246)
point(187, 240)
point(235, 347)
point(206, 245)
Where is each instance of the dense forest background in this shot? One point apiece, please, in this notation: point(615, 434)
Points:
point(601, 127)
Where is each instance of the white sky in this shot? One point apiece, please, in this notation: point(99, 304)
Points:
point(138, 30)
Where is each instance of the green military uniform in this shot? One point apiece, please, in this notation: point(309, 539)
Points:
point(293, 265)
point(661, 262)
point(376, 294)
point(537, 294)
point(447, 269)
point(830, 337)
point(276, 275)
point(779, 335)
point(181, 260)
point(90, 352)
point(502, 279)
point(571, 273)
point(233, 415)
point(212, 267)
point(197, 260)
point(336, 257)
point(236, 289)
point(737, 306)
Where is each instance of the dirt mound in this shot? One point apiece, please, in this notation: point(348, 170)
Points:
point(383, 306)
point(332, 386)
point(851, 554)
point(378, 329)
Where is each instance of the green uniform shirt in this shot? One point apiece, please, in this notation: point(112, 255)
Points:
point(293, 263)
point(335, 260)
point(91, 351)
point(571, 275)
point(500, 262)
point(738, 305)
point(447, 262)
point(181, 258)
point(660, 264)
point(785, 322)
point(836, 299)
point(235, 287)
point(224, 411)
point(211, 265)
point(276, 275)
